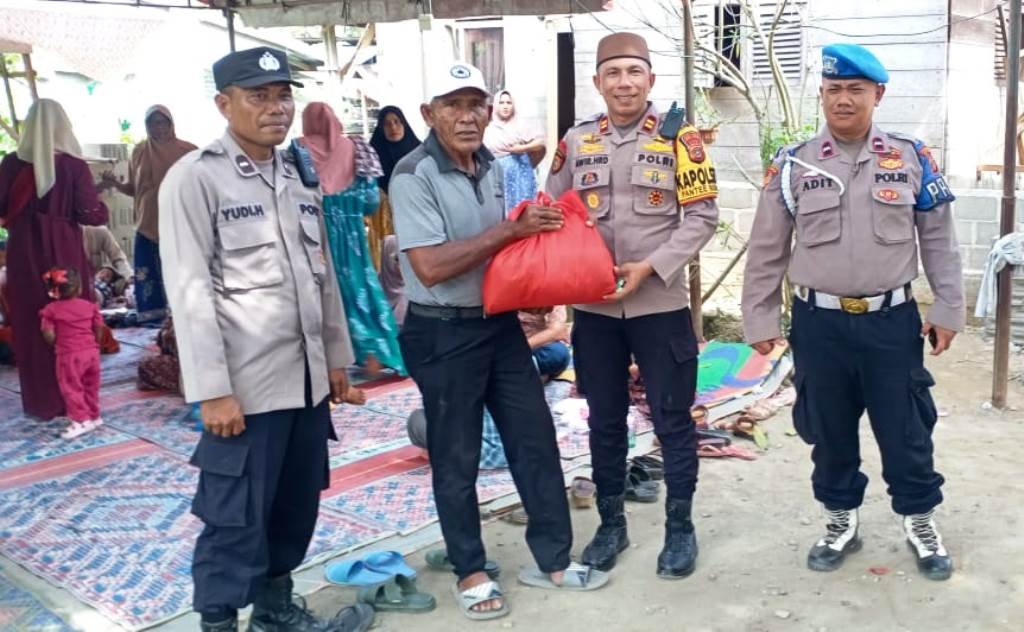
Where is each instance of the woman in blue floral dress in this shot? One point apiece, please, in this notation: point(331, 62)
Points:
point(348, 169)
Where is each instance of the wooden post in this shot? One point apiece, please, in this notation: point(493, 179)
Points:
point(330, 38)
point(696, 304)
point(10, 95)
point(30, 75)
point(1001, 359)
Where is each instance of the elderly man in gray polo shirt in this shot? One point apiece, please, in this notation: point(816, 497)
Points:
point(449, 217)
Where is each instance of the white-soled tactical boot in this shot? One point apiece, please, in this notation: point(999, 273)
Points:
point(932, 558)
point(840, 540)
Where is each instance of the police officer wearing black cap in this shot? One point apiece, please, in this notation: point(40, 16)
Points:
point(262, 342)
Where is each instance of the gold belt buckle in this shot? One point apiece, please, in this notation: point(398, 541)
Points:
point(854, 305)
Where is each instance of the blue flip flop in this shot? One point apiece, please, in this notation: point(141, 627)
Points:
point(354, 573)
point(389, 563)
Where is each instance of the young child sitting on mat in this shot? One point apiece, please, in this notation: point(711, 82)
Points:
point(74, 326)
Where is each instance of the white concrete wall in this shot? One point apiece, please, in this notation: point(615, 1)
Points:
point(976, 102)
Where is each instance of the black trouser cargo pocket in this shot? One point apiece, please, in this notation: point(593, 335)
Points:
point(803, 420)
point(222, 499)
point(923, 414)
point(683, 355)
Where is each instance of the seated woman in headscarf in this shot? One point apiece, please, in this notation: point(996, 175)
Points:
point(46, 193)
point(149, 164)
point(517, 148)
point(392, 139)
point(349, 169)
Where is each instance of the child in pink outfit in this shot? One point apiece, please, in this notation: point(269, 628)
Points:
point(74, 325)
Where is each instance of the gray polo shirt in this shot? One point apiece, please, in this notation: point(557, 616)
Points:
point(434, 202)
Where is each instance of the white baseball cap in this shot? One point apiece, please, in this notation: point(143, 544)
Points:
point(456, 76)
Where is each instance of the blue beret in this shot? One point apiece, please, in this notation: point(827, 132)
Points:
point(851, 61)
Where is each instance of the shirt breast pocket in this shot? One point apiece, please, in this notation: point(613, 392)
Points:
point(314, 248)
point(892, 214)
point(592, 184)
point(818, 220)
point(654, 191)
point(249, 257)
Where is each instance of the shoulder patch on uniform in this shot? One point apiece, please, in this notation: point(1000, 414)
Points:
point(769, 174)
point(695, 175)
point(559, 160)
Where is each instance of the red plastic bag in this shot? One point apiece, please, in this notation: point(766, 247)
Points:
point(562, 267)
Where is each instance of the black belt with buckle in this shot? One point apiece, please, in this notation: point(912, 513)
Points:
point(446, 313)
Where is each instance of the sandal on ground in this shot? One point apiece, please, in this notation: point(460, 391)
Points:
point(516, 516)
point(577, 577)
point(357, 618)
point(353, 573)
point(647, 469)
point(487, 591)
point(641, 491)
point(398, 594)
point(749, 429)
point(708, 450)
point(709, 433)
point(583, 492)
point(389, 563)
point(437, 560)
point(699, 414)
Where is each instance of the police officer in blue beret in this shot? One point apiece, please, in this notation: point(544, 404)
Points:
point(262, 343)
point(865, 205)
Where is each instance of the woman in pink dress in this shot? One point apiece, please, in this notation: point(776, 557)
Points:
point(46, 192)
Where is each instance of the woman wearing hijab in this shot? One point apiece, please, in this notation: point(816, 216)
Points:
point(349, 169)
point(392, 139)
point(517, 149)
point(46, 193)
point(149, 164)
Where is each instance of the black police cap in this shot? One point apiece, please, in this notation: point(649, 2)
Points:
point(252, 68)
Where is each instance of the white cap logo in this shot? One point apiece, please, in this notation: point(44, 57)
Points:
point(828, 64)
point(460, 72)
point(269, 63)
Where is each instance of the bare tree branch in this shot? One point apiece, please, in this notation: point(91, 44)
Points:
point(746, 176)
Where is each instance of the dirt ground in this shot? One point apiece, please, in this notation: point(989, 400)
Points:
point(755, 522)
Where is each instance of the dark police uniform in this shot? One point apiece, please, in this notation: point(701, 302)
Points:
point(258, 315)
point(652, 199)
point(860, 222)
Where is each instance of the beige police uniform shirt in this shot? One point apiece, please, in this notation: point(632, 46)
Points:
point(250, 280)
point(860, 242)
point(634, 186)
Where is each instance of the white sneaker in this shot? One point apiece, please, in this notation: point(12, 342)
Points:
point(76, 429)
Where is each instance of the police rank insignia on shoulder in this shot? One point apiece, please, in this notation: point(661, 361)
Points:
point(695, 175)
point(245, 166)
point(559, 160)
point(769, 173)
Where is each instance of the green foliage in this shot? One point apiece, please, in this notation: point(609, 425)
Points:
point(773, 137)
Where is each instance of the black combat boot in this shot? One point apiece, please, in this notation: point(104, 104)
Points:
point(679, 556)
point(840, 540)
point(611, 538)
point(275, 610)
point(933, 560)
point(227, 625)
